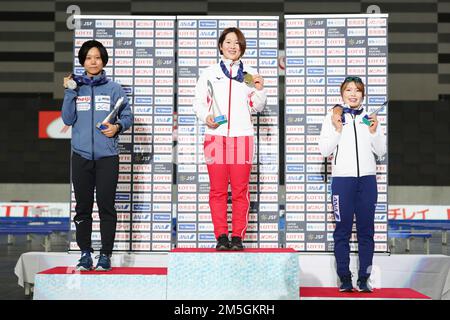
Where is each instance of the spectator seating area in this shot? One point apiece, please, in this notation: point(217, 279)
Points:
point(32, 226)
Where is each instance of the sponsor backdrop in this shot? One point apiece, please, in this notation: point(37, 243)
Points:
point(142, 59)
point(197, 49)
point(321, 50)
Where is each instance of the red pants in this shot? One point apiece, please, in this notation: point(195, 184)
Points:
point(229, 160)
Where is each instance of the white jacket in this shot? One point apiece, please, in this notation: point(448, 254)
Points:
point(234, 99)
point(353, 148)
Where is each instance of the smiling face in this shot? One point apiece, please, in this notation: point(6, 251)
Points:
point(93, 63)
point(353, 94)
point(230, 47)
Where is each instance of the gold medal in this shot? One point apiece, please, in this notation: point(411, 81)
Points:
point(248, 79)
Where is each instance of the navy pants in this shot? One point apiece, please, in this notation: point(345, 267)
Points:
point(354, 196)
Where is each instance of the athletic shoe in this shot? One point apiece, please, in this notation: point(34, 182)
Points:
point(223, 244)
point(85, 262)
point(346, 284)
point(104, 262)
point(236, 244)
point(363, 285)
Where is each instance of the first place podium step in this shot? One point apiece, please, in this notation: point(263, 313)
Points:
point(252, 274)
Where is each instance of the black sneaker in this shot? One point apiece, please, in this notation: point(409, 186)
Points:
point(362, 285)
point(236, 244)
point(104, 262)
point(346, 284)
point(223, 243)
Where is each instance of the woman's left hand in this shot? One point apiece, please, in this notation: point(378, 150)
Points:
point(111, 130)
point(373, 123)
point(258, 81)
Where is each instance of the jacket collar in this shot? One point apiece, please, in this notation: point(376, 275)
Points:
point(228, 62)
point(94, 81)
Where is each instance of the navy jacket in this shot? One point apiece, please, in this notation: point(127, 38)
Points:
point(91, 103)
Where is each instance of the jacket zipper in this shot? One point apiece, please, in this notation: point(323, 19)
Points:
point(356, 145)
point(93, 126)
point(335, 157)
point(229, 101)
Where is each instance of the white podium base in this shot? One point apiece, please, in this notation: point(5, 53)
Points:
point(65, 283)
point(252, 274)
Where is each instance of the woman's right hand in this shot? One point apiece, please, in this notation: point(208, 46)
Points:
point(210, 122)
point(336, 121)
point(336, 118)
point(66, 79)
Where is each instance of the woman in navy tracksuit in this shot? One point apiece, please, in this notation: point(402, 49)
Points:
point(95, 159)
point(354, 185)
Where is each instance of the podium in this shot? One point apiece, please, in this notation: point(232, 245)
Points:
point(252, 274)
point(121, 283)
point(331, 293)
point(192, 274)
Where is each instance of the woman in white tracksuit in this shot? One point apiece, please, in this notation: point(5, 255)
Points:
point(354, 145)
point(231, 90)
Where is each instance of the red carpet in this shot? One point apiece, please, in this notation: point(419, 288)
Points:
point(251, 250)
point(118, 270)
point(382, 293)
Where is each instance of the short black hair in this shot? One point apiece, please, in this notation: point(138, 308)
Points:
point(88, 45)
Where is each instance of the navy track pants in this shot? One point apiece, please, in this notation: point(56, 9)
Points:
point(354, 196)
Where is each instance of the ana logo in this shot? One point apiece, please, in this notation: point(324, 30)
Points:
point(122, 206)
point(267, 62)
point(163, 119)
point(315, 188)
point(251, 53)
point(315, 80)
point(337, 214)
point(187, 23)
point(141, 217)
point(161, 226)
point(143, 110)
point(295, 177)
point(207, 34)
point(186, 236)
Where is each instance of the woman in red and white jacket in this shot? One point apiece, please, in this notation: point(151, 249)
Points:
point(226, 94)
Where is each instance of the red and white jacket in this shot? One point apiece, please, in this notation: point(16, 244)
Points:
point(234, 99)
